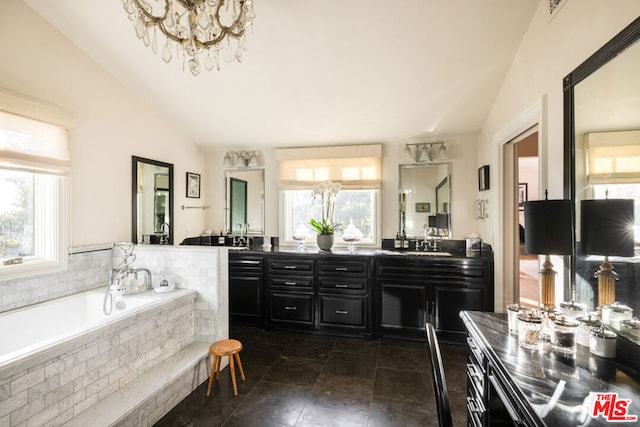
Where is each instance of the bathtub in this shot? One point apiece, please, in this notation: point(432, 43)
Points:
point(35, 328)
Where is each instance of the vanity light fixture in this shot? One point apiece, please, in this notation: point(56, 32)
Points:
point(426, 152)
point(548, 231)
point(408, 155)
point(194, 28)
point(240, 159)
point(606, 228)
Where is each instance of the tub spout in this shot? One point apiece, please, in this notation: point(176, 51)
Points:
point(147, 281)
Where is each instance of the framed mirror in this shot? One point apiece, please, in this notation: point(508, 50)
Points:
point(424, 199)
point(602, 117)
point(151, 201)
point(244, 201)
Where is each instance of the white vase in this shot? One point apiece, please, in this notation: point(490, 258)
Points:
point(325, 241)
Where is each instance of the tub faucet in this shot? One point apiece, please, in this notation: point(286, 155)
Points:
point(148, 283)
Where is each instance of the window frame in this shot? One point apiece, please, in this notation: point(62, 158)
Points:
point(285, 210)
point(51, 189)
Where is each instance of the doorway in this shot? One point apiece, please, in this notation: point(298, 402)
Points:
point(528, 178)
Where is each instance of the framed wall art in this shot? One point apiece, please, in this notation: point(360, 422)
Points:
point(523, 194)
point(193, 185)
point(483, 178)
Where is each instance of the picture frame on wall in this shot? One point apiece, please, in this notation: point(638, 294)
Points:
point(193, 185)
point(483, 178)
point(523, 194)
point(423, 207)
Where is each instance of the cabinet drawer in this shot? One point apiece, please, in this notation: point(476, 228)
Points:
point(342, 310)
point(291, 282)
point(291, 307)
point(337, 267)
point(338, 284)
point(298, 266)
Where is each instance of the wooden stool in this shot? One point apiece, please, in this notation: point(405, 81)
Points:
point(222, 348)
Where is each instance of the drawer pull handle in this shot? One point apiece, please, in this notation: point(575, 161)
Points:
point(342, 269)
point(341, 285)
point(290, 267)
point(342, 312)
point(290, 283)
point(291, 307)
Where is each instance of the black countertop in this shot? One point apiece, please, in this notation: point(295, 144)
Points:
point(535, 376)
point(293, 251)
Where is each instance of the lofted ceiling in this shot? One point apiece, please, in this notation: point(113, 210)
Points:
point(320, 71)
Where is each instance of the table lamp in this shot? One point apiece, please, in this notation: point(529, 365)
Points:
point(548, 231)
point(606, 228)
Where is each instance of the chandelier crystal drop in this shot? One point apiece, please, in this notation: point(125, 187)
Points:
point(200, 30)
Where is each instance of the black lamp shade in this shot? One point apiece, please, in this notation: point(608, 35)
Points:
point(606, 227)
point(548, 228)
point(432, 221)
point(442, 220)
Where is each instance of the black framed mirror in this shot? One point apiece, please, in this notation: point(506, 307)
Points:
point(601, 101)
point(151, 201)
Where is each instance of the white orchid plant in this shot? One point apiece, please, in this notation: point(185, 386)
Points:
point(327, 192)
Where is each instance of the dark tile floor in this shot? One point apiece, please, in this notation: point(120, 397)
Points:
point(295, 379)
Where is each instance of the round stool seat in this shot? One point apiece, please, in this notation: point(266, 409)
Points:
point(225, 347)
point(218, 350)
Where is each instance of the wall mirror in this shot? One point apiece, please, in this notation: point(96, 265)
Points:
point(151, 201)
point(244, 201)
point(425, 199)
point(601, 105)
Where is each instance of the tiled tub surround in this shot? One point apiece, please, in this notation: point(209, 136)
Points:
point(203, 269)
point(61, 381)
point(153, 357)
point(88, 268)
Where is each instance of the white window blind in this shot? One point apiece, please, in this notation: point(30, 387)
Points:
point(352, 165)
point(612, 157)
point(33, 135)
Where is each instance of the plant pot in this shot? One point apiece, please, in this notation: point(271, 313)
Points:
point(325, 241)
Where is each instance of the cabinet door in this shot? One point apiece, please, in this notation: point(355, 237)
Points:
point(403, 305)
point(291, 307)
point(342, 311)
point(245, 298)
point(449, 301)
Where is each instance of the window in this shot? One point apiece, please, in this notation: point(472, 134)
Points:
point(357, 168)
point(359, 206)
point(34, 164)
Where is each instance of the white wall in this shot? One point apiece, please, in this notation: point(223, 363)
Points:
point(111, 125)
point(549, 51)
point(462, 154)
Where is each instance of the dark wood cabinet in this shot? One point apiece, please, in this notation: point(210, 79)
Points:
point(411, 292)
point(343, 295)
point(246, 288)
point(359, 295)
point(290, 292)
point(293, 308)
point(403, 305)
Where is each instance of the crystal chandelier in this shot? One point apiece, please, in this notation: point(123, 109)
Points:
point(196, 28)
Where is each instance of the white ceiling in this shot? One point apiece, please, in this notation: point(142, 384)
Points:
point(320, 71)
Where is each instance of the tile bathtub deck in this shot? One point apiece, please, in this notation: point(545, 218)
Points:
point(306, 380)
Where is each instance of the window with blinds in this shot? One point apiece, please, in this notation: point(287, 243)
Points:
point(356, 167)
point(34, 168)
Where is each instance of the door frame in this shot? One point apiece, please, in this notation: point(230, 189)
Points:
point(505, 221)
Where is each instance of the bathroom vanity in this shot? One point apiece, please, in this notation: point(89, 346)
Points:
point(367, 293)
point(509, 385)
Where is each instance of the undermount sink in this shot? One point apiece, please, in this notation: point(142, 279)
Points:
point(237, 248)
point(429, 253)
